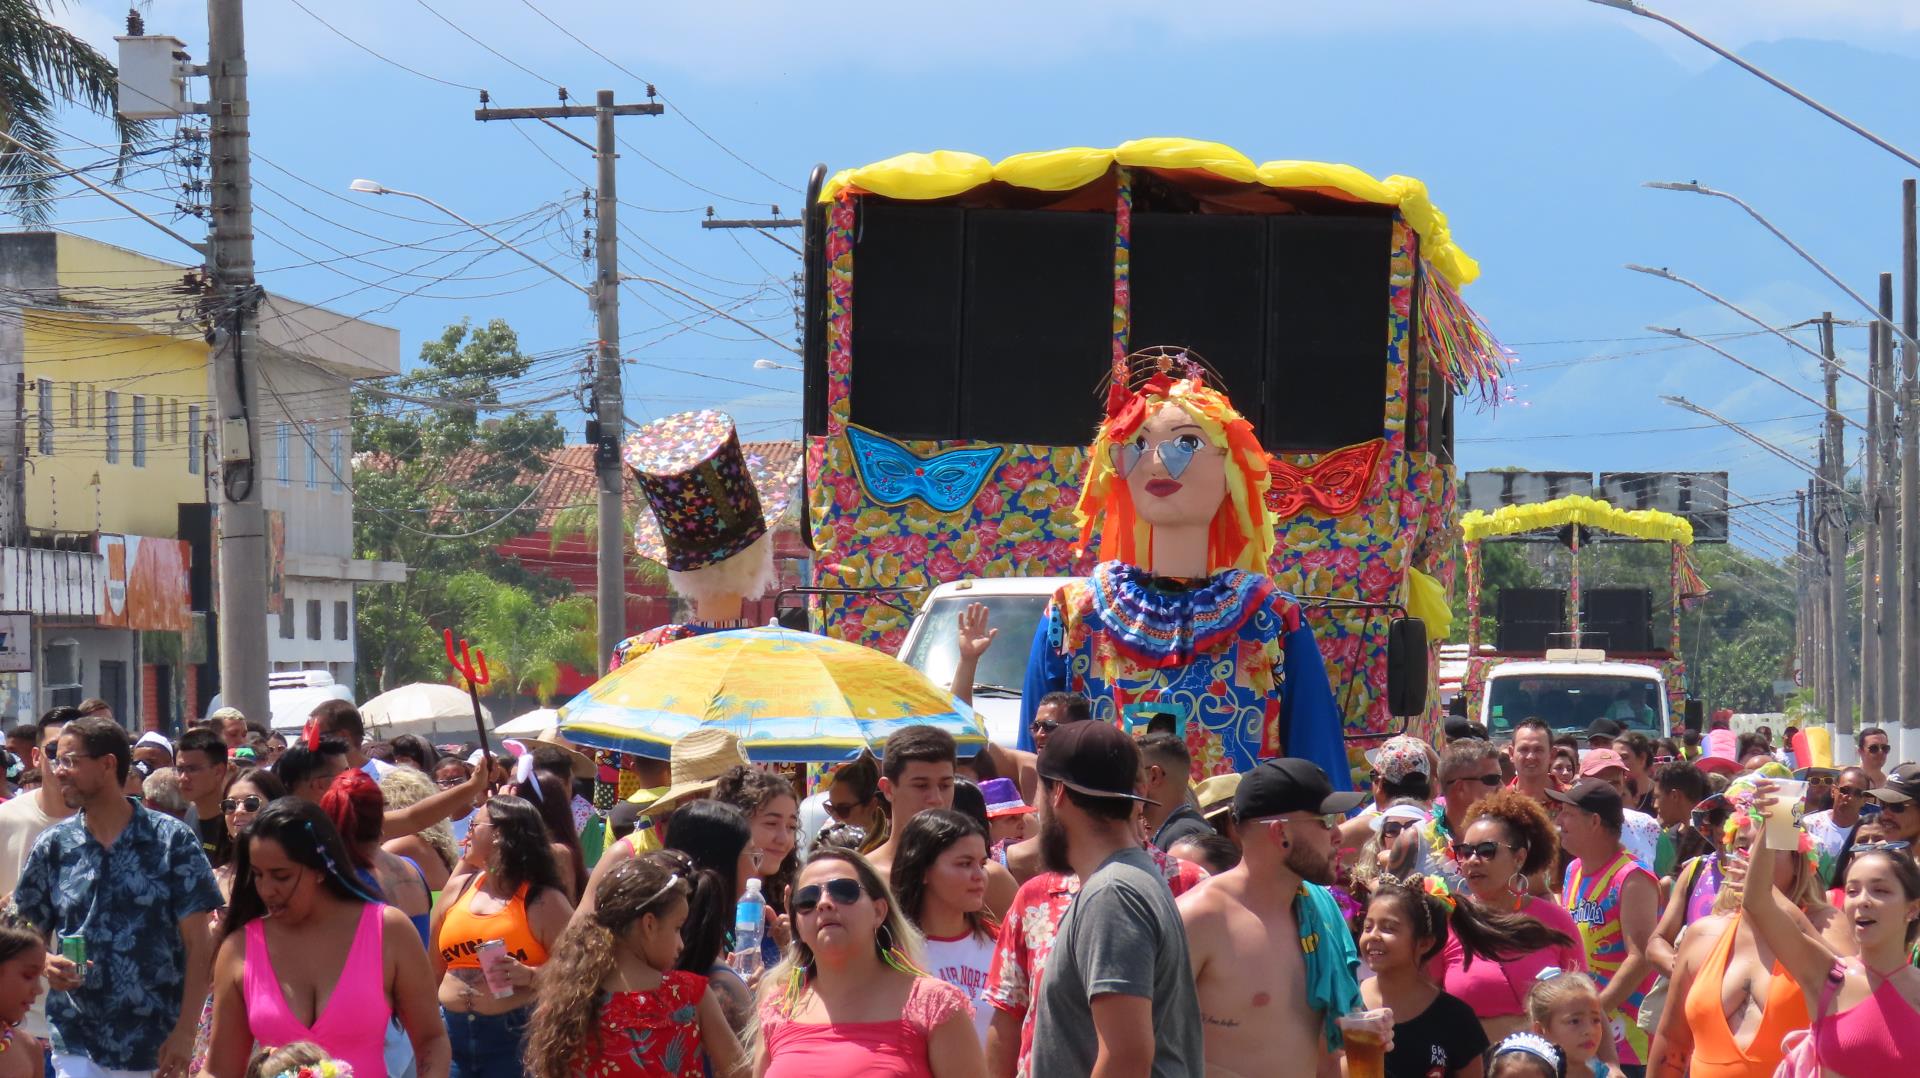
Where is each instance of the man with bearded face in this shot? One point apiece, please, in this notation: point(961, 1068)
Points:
point(1267, 926)
point(1179, 616)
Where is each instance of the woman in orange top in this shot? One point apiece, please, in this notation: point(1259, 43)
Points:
point(1730, 1002)
point(506, 888)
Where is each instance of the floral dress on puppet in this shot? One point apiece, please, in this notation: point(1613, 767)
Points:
point(1178, 618)
point(711, 506)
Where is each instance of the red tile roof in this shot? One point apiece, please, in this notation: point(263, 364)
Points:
point(570, 482)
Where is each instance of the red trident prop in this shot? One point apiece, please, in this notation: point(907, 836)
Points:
point(462, 660)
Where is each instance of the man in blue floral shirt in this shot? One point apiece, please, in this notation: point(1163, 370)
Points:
point(135, 886)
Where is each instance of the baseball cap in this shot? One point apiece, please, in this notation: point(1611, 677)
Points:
point(1595, 761)
point(1589, 795)
point(1903, 784)
point(1603, 728)
point(1461, 728)
point(1288, 784)
point(1399, 757)
point(1094, 759)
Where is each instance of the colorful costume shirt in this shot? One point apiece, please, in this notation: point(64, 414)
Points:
point(1594, 902)
point(127, 901)
point(1231, 656)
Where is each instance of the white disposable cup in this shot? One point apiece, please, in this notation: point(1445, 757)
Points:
point(1788, 797)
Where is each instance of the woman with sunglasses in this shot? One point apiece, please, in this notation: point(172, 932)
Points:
point(507, 888)
point(246, 794)
point(853, 799)
point(1508, 839)
point(850, 997)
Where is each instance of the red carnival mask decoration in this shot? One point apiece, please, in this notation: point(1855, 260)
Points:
point(1335, 484)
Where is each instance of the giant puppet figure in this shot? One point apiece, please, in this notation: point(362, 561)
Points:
point(709, 505)
point(1179, 618)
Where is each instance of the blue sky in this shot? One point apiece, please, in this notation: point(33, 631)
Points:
point(1532, 121)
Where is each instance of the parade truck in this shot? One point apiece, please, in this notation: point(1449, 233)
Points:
point(1569, 654)
point(960, 314)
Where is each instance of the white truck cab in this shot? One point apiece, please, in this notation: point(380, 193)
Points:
point(1015, 605)
point(1569, 689)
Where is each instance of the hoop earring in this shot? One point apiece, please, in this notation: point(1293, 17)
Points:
point(891, 955)
point(1519, 891)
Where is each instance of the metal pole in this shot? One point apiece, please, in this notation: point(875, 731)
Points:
point(1870, 545)
point(1886, 523)
point(612, 554)
point(242, 610)
point(1909, 637)
point(1803, 593)
point(1836, 530)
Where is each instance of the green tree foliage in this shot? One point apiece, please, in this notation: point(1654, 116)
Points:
point(43, 66)
point(526, 638)
point(440, 487)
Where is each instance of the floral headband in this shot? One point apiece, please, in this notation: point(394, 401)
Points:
point(1437, 889)
point(326, 1068)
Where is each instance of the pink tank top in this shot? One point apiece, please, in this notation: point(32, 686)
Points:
point(352, 1026)
point(1873, 1037)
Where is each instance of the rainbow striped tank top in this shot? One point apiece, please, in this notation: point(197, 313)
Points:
point(1595, 906)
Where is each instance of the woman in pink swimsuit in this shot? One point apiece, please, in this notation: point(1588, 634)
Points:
point(306, 954)
point(1870, 1004)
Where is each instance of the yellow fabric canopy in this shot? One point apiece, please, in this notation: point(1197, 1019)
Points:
point(946, 173)
point(1577, 509)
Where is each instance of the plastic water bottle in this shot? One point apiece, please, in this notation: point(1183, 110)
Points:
point(749, 924)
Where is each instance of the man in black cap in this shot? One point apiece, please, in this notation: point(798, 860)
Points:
point(1273, 961)
point(1601, 734)
point(1899, 799)
point(1118, 993)
point(1616, 902)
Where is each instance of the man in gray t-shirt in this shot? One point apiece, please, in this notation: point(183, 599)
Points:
point(1118, 983)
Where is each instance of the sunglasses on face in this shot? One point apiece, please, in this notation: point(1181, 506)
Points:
point(1848, 791)
point(249, 802)
point(1881, 847)
point(1897, 806)
point(1489, 781)
point(844, 891)
point(1175, 454)
point(1392, 828)
point(1467, 851)
point(1044, 726)
point(1877, 750)
point(839, 810)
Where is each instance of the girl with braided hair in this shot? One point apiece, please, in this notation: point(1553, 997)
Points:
point(611, 1002)
point(1408, 923)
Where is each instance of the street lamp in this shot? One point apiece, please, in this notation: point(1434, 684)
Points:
point(1698, 189)
point(770, 365)
point(372, 187)
point(1685, 336)
point(1645, 12)
point(1668, 275)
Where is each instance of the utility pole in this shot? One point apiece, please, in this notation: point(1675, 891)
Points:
point(607, 395)
point(242, 610)
point(1886, 519)
point(1909, 482)
point(1835, 526)
point(1803, 593)
point(605, 429)
point(1870, 699)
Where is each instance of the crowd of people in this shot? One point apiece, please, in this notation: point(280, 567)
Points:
point(338, 907)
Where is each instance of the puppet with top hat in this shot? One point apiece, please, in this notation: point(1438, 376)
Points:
point(709, 504)
point(1179, 620)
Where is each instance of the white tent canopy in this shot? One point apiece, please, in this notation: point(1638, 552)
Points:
point(533, 724)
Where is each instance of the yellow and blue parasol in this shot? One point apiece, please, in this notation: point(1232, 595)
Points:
point(790, 696)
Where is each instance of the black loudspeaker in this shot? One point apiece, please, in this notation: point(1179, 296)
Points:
point(1407, 666)
point(1529, 618)
point(1200, 281)
point(1037, 324)
point(909, 263)
point(1619, 619)
point(1327, 294)
point(1696, 714)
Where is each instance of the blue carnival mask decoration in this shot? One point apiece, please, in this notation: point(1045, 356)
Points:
point(893, 474)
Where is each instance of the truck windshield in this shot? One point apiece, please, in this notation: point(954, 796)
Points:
point(936, 649)
point(1571, 702)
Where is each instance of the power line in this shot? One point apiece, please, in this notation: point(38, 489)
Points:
point(381, 57)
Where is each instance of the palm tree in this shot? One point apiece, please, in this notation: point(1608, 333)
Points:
point(526, 638)
point(43, 66)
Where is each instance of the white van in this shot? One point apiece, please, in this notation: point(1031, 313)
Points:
point(1015, 605)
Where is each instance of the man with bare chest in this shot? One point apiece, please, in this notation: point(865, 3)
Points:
point(1273, 962)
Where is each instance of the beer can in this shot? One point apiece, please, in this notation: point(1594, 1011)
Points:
point(74, 949)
